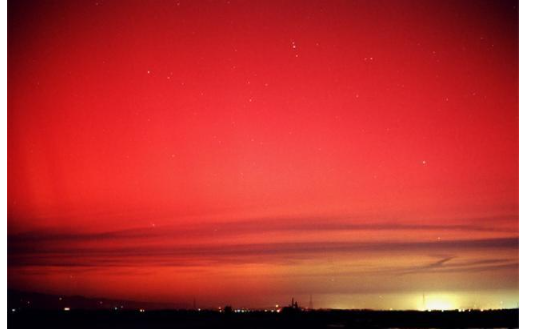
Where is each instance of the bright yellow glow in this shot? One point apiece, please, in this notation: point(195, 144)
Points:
point(439, 303)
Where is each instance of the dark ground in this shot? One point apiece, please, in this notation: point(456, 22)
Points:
point(313, 319)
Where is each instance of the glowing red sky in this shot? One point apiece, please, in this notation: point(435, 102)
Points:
point(243, 152)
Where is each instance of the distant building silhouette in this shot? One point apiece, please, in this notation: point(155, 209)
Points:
point(292, 308)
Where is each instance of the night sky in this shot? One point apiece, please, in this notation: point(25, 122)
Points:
point(247, 152)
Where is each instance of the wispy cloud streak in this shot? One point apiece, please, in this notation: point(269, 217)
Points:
point(254, 252)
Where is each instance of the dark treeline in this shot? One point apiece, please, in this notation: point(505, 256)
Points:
point(309, 319)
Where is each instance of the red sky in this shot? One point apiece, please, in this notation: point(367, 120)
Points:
point(246, 152)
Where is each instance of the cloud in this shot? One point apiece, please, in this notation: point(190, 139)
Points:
point(180, 255)
point(243, 242)
point(253, 226)
point(452, 265)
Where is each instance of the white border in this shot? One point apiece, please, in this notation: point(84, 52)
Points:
point(528, 161)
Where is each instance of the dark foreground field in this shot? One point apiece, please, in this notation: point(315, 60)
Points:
point(314, 319)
